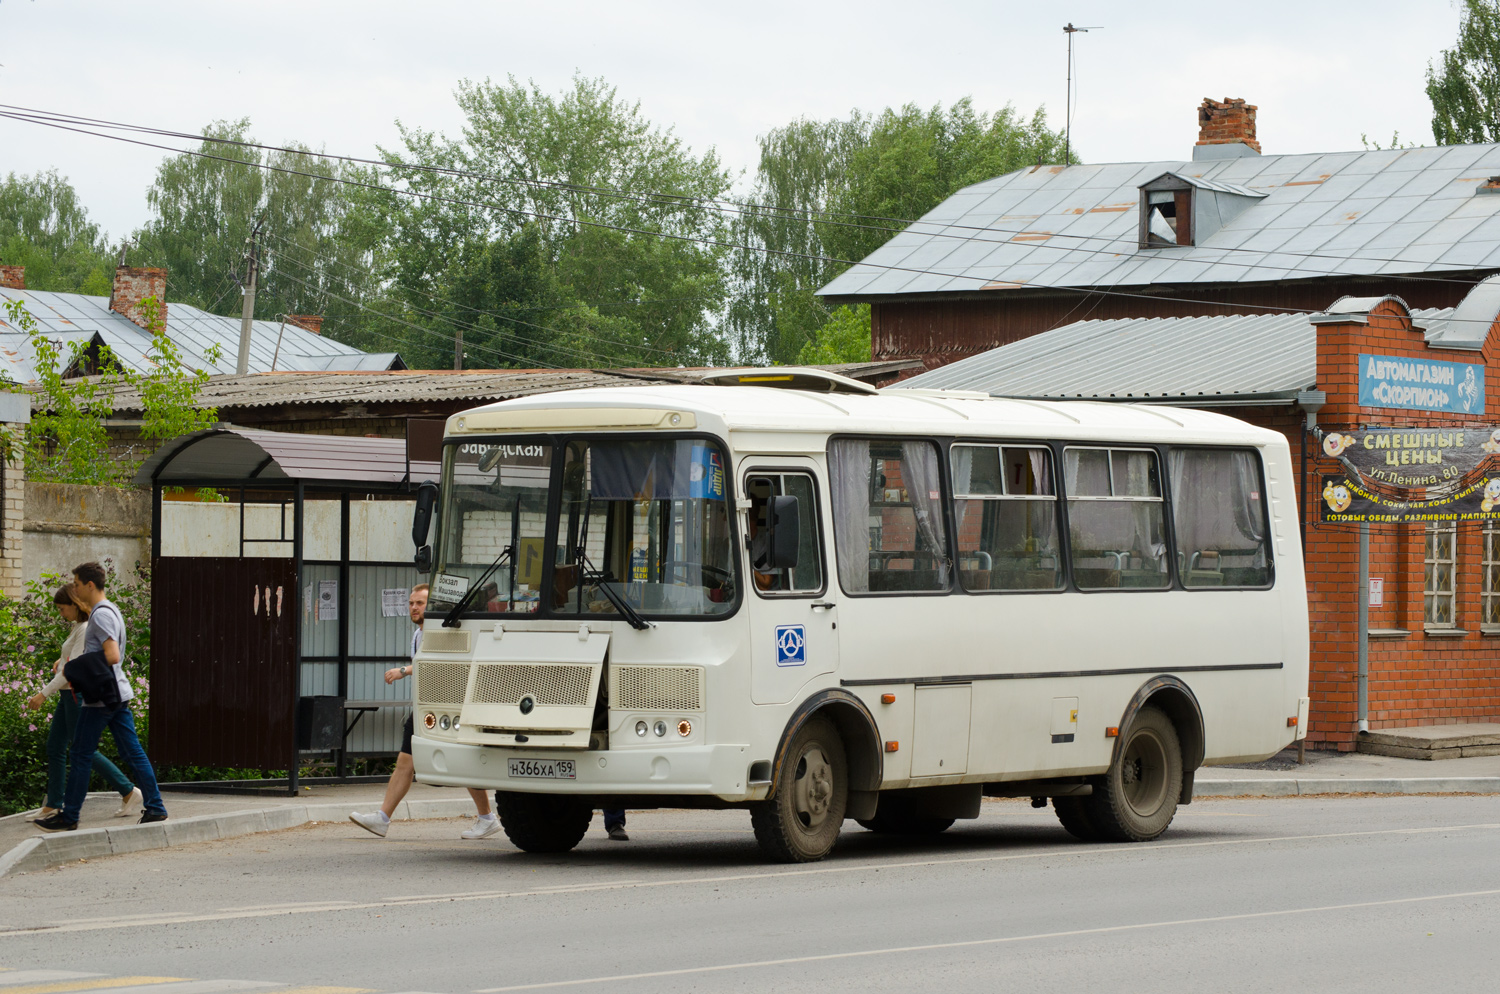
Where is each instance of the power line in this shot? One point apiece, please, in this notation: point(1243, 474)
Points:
point(712, 242)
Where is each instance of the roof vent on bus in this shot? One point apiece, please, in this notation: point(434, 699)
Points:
point(788, 378)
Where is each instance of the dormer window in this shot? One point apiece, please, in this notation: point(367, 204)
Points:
point(1166, 213)
point(1186, 210)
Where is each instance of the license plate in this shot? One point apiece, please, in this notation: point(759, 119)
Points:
point(541, 769)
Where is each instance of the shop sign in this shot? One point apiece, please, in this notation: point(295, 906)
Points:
point(1421, 384)
point(1412, 457)
point(1345, 501)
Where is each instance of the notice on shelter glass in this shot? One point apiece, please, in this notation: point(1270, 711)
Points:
point(328, 600)
point(393, 602)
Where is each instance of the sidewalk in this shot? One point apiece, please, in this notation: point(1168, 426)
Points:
point(206, 817)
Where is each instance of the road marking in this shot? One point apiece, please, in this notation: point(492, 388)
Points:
point(326, 990)
point(90, 985)
point(197, 987)
point(997, 940)
point(1051, 852)
point(38, 976)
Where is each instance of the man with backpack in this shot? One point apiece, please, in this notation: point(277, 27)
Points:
point(106, 635)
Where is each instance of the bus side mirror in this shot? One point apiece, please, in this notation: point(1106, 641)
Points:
point(421, 523)
point(785, 525)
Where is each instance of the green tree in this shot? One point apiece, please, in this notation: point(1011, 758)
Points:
point(1464, 88)
point(599, 222)
point(45, 228)
point(828, 194)
point(845, 338)
point(317, 246)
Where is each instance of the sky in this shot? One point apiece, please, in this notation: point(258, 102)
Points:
point(337, 75)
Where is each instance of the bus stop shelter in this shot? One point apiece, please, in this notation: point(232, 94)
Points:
point(278, 603)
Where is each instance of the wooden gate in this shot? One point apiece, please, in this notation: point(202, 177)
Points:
point(223, 661)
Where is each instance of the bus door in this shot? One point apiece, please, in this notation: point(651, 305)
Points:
point(793, 622)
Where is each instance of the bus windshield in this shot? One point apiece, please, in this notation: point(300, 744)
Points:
point(641, 524)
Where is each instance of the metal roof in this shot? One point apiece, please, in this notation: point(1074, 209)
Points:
point(74, 317)
point(1379, 212)
point(1229, 360)
point(243, 455)
point(256, 390)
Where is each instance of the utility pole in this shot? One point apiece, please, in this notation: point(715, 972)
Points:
point(247, 316)
point(458, 348)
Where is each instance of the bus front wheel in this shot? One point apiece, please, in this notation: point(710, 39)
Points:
point(1137, 798)
point(549, 823)
point(800, 821)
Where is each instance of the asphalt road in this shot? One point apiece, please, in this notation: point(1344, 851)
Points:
point(1358, 894)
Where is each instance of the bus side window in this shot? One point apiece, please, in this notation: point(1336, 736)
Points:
point(890, 532)
point(1116, 531)
point(806, 578)
point(1220, 518)
point(1005, 507)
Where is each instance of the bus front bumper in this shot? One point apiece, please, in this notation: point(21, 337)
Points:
point(718, 770)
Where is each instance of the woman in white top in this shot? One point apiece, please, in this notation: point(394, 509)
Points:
point(65, 718)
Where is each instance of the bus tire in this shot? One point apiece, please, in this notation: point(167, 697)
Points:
point(1137, 798)
point(1074, 814)
point(543, 823)
point(799, 822)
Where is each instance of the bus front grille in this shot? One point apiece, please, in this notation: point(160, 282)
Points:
point(446, 641)
point(555, 684)
point(656, 688)
point(441, 683)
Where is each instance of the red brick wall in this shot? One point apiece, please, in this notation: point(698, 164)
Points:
point(1221, 122)
point(133, 285)
point(1416, 678)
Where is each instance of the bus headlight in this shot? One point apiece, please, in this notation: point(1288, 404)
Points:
point(660, 729)
point(444, 723)
point(684, 728)
point(429, 720)
point(640, 729)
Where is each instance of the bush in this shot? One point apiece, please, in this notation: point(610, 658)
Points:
point(31, 634)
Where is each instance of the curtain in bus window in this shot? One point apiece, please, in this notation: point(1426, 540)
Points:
point(924, 488)
point(850, 483)
point(1219, 515)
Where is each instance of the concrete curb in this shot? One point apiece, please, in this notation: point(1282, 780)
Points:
point(1346, 785)
point(89, 843)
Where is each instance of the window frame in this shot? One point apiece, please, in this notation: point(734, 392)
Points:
point(1432, 529)
point(1052, 448)
point(945, 490)
point(1164, 498)
point(1265, 510)
point(1489, 579)
point(817, 517)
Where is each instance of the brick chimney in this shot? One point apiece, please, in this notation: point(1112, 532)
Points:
point(13, 277)
point(1226, 129)
point(132, 286)
point(307, 322)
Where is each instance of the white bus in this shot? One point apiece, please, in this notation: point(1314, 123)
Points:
point(785, 591)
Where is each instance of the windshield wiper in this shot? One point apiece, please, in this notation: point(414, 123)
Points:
point(597, 577)
point(451, 619)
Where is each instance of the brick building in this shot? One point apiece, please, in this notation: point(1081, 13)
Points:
point(1431, 641)
point(1228, 231)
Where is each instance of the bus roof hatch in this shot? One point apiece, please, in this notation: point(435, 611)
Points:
point(789, 378)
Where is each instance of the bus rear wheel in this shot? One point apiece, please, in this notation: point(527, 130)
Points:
point(800, 821)
point(1136, 800)
point(545, 823)
point(1076, 818)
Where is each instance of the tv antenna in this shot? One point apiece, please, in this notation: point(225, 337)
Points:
point(1070, 30)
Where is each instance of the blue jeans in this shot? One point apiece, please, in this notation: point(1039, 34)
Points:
point(59, 738)
point(614, 818)
point(121, 724)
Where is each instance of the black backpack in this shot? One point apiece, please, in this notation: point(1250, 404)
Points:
point(93, 678)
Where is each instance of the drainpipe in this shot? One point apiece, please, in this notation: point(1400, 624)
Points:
point(1363, 707)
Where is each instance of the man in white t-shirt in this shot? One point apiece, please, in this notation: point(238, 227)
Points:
point(401, 778)
point(106, 634)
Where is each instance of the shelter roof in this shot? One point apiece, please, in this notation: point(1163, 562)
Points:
point(76, 317)
point(1379, 212)
point(225, 455)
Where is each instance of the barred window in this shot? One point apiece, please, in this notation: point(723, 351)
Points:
point(1439, 573)
point(1489, 595)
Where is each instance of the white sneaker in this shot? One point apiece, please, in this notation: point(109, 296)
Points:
point(484, 827)
point(375, 822)
point(130, 805)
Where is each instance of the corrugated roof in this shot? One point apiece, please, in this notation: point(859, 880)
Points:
point(255, 390)
point(1354, 213)
point(240, 454)
point(1219, 360)
point(66, 316)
